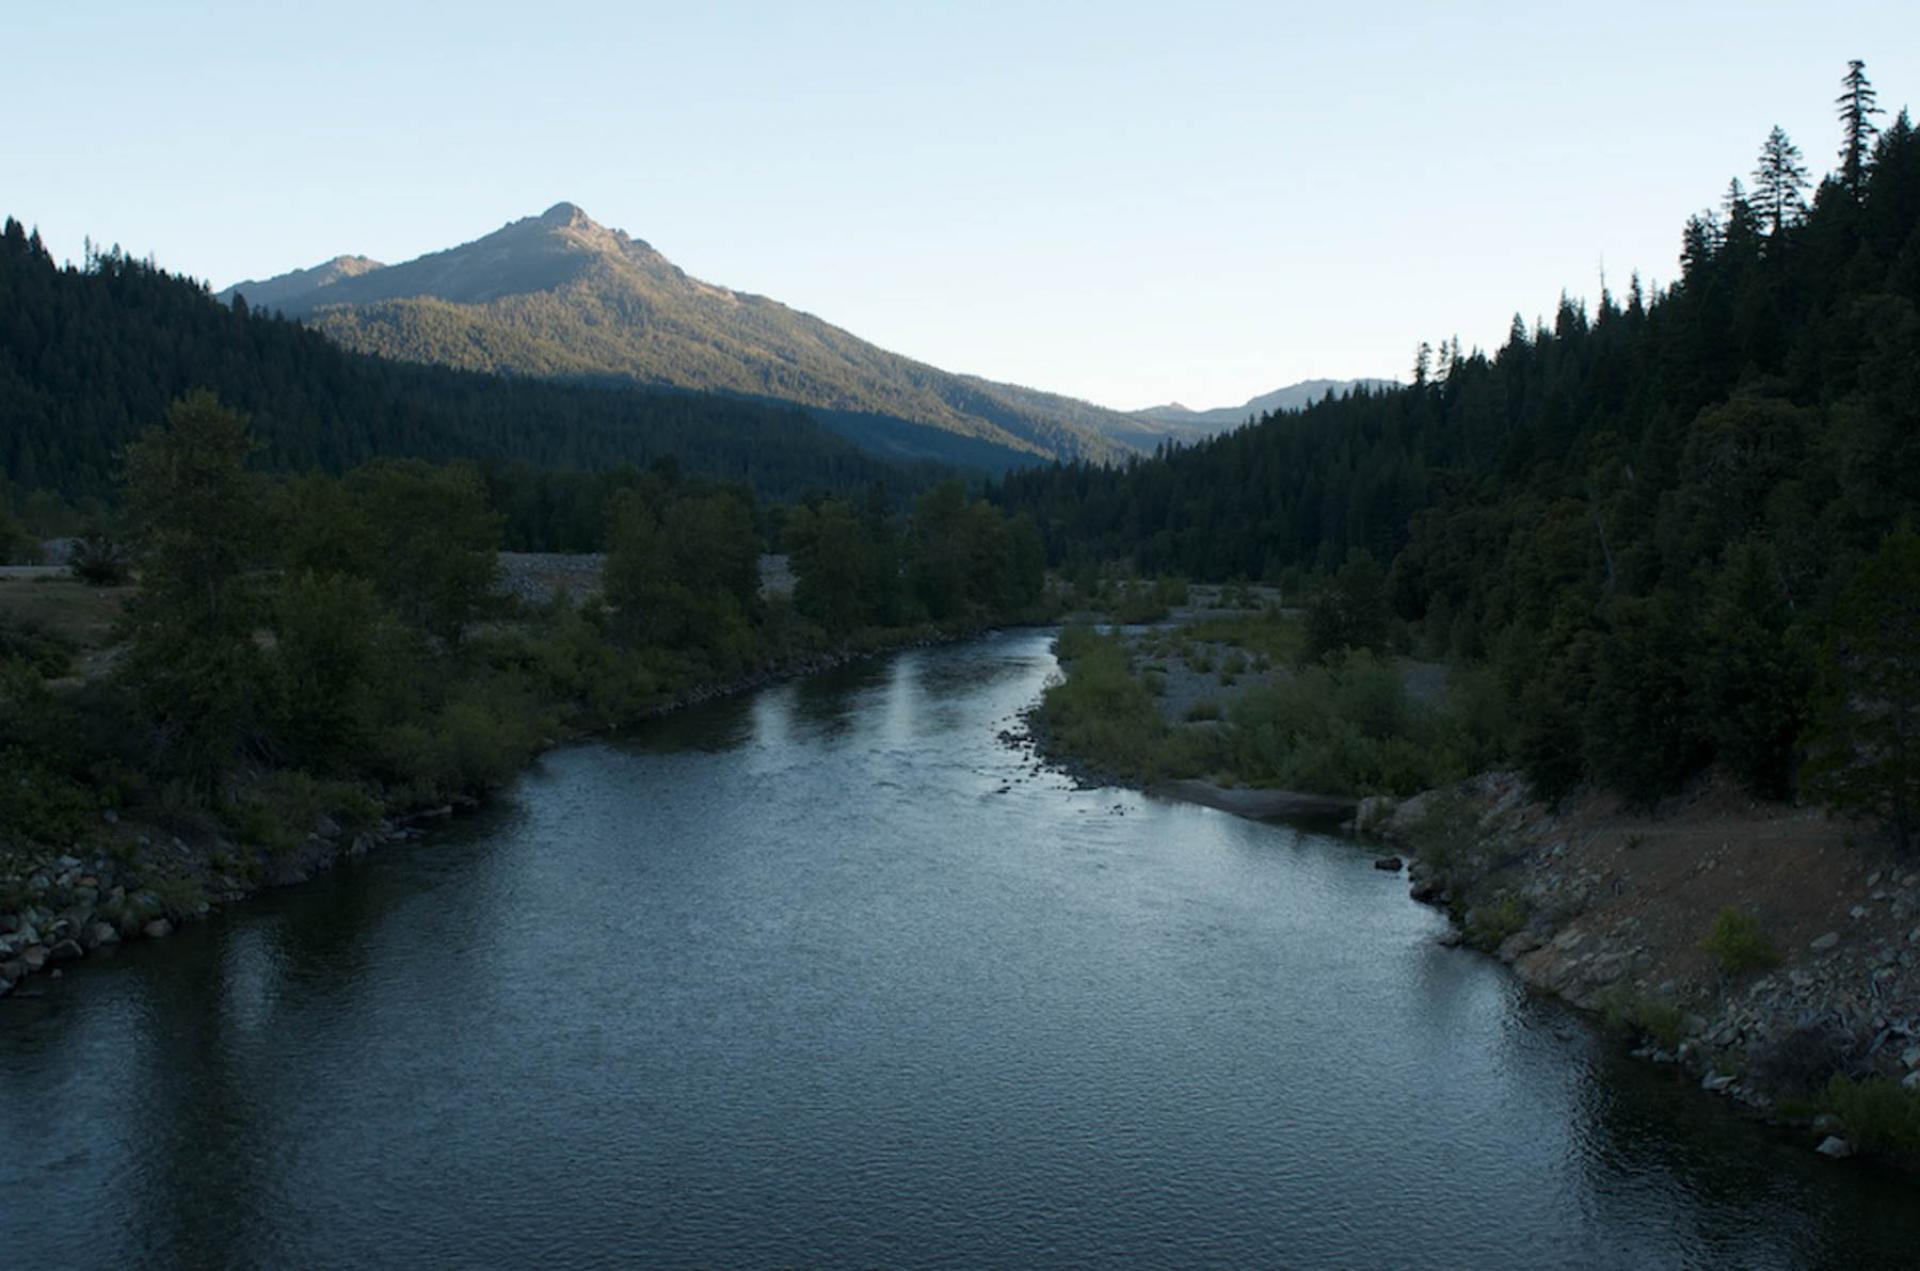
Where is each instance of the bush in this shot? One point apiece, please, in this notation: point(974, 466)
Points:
point(1882, 1118)
point(1490, 924)
point(1648, 1018)
point(99, 559)
point(1203, 710)
point(1738, 943)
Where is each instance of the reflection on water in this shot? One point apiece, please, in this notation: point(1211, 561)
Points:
point(824, 975)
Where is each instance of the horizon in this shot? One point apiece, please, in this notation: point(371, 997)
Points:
point(1001, 194)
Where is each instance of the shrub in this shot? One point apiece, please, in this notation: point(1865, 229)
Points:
point(1647, 1017)
point(1203, 710)
point(1738, 943)
point(1882, 1118)
point(99, 559)
point(1491, 923)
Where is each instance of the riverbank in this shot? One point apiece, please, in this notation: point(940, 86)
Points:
point(143, 880)
point(1769, 950)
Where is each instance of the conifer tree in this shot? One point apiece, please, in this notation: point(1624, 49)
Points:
point(1858, 104)
point(1777, 183)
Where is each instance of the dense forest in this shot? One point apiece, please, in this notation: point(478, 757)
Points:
point(1669, 520)
point(91, 353)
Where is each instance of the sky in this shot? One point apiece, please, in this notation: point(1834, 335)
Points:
point(1130, 203)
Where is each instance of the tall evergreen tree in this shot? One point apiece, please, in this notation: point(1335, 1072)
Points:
point(1858, 104)
point(1777, 183)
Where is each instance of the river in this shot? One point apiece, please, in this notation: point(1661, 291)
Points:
point(829, 974)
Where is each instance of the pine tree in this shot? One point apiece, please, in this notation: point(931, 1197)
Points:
point(1857, 106)
point(1866, 747)
point(1777, 183)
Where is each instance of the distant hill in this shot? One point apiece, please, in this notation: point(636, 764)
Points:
point(559, 295)
point(1292, 397)
point(275, 293)
point(90, 356)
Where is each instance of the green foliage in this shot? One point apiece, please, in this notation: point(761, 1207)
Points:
point(1102, 711)
point(1754, 672)
point(99, 558)
point(684, 575)
point(1491, 922)
point(1739, 943)
point(1645, 1016)
point(340, 660)
point(87, 354)
point(1349, 612)
point(1205, 709)
point(191, 657)
point(1881, 1117)
point(1866, 747)
point(1640, 513)
point(1642, 734)
point(40, 652)
point(40, 804)
point(1346, 729)
point(16, 545)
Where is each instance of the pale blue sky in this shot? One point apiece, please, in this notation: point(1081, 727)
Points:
point(1131, 203)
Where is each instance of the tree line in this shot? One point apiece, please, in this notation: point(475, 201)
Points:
point(344, 634)
point(1657, 516)
point(90, 353)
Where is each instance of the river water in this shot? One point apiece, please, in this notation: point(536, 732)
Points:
point(829, 975)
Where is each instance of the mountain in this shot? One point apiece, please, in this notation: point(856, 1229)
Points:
point(90, 356)
point(559, 295)
point(274, 293)
point(1293, 397)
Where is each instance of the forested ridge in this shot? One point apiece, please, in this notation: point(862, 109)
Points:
point(1671, 520)
point(91, 354)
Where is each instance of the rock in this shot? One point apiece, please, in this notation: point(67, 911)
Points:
point(1518, 945)
point(1857, 912)
point(1391, 863)
point(158, 929)
point(1451, 937)
point(103, 933)
point(1911, 1081)
point(1715, 1083)
point(1822, 943)
point(1911, 1057)
point(35, 957)
point(1374, 811)
point(9, 923)
point(66, 951)
point(1835, 1146)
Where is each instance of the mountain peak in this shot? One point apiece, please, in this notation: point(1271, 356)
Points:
point(565, 215)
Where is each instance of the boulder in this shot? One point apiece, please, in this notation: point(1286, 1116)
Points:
point(35, 957)
point(1391, 863)
point(1519, 944)
point(103, 933)
point(158, 929)
point(1835, 1146)
point(1822, 943)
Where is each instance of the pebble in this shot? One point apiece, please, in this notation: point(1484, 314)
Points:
point(1822, 943)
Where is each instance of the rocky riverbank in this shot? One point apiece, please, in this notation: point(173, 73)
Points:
point(1764, 948)
point(135, 882)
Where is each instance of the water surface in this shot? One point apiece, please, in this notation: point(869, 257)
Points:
point(830, 975)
